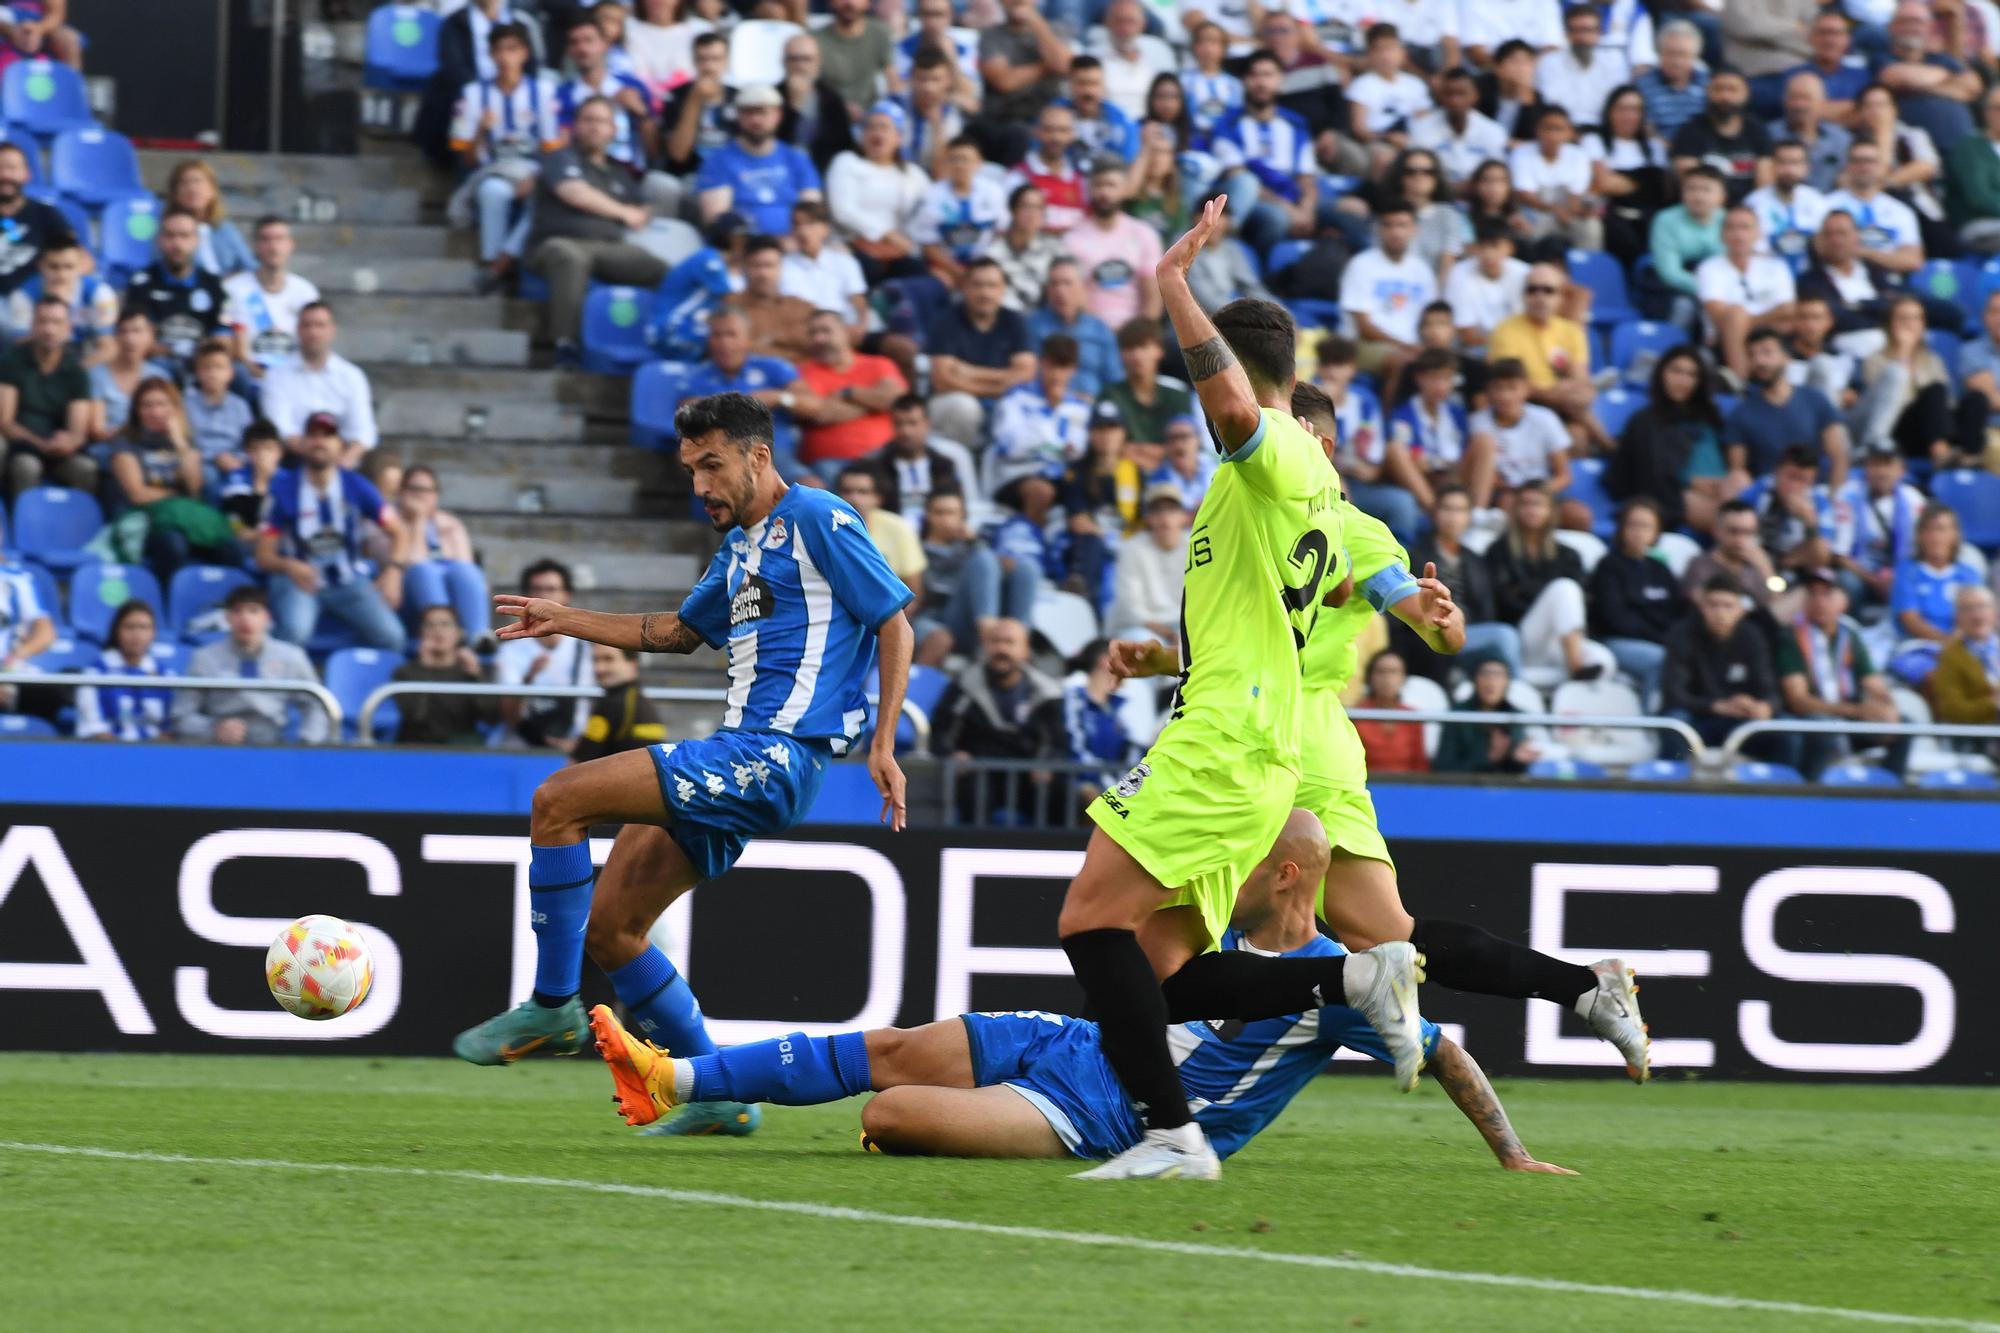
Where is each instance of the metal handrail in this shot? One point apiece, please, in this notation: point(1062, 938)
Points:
point(70, 680)
point(365, 720)
point(1814, 726)
point(1687, 733)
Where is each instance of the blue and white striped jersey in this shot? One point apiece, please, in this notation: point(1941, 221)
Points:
point(1240, 1076)
point(124, 712)
point(1278, 150)
point(20, 608)
point(796, 600)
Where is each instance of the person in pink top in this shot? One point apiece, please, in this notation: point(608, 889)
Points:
point(1116, 252)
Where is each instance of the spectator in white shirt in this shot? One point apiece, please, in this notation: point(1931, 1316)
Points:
point(1456, 130)
point(1742, 290)
point(960, 212)
point(316, 380)
point(823, 273)
point(1385, 98)
point(1042, 426)
point(1890, 234)
point(123, 712)
point(1552, 180)
point(1132, 57)
point(1384, 290)
point(1788, 210)
point(874, 196)
point(1529, 442)
point(1146, 601)
point(553, 660)
point(264, 303)
point(1580, 76)
point(1488, 286)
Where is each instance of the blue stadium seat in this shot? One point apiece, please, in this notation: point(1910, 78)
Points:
point(355, 673)
point(196, 590)
point(19, 726)
point(1313, 313)
point(1963, 779)
point(51, 524)
point(1858, 775)
point(1600, 272)
point(1946, 344)
point(1636, 337)
point(402, 48)
point(1250, 255)
point(1750, 771)
point(44, 98)
point(125, 240)
point(1615, 407)
point(615, 320)
point(926, 687)
point(1955, 280)
point(656, 392)
point(73, 213)
point(1975, 494)
point(97, 590)
point(65, 654)
point(48, 594)
point(171, 656)
point(1566, 770)
point(1661, 770)
point(1285, 254)
point(331, 635)
point(1587, 486)
point(94, 166)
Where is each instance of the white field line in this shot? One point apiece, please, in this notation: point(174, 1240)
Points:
point(1234, 1254)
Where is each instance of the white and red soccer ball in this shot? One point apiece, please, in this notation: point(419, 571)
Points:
point(318, 967)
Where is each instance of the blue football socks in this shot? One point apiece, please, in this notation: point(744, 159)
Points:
point(662, 1005)
point(795, 1070)
point(559, 885)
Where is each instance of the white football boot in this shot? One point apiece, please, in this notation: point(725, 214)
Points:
point(1382, 983)
point(1612, 1010)
point(1163, 1154)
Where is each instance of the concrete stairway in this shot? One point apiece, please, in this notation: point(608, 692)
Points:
point(535, 460)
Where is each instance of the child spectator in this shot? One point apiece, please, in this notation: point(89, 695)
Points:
point(1430, 441)
point(245, 488)
point(252, 717)
point(1528, 442)
point(1097, 716)
point(216, 417)
point(125, 712)
point(1634, 601)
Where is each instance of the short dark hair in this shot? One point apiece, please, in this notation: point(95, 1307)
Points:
point(445, 607)
point(213, 347)
point(258, 227)
point(1262, 55)
point(758, 245)
point(246, 594)
point(1396, 206)
point(1336, 350)
point(1763, 335)
point(503, 32)
point(548, 566)
point(1450, 488)
point(1434, 359)
point(965, 141)
point(1579, 11)
point(813, 210)
point(742, 420)
point(1507, 368)
point(710, 39)
point(1014, 198)
point(1720, 582)
point(1707, 173)
point(1138, 331)
point(861, 470)
point(1084, 63)
point(128, 608)
point(1265, 340)
point(1513, 46)
point(1457, 73)
point(1059, 349)
point(172, 211)
point(1736, 507)
point(1799, 455)
point(311, 306)
point(1490, 230)
point(1634, 505)
point(125, 316)
point(1783, 144)
point(1382, 32)
point(988, 261)
point(930, 56)
point(1377, 656)
point(1310, 403)
point(911, 402)
point(261, 430)
point(1437, 308)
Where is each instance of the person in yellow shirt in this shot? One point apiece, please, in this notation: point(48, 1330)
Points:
point(893, 535)
point(1556, 352)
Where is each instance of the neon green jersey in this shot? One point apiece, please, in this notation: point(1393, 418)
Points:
point(1265, 547)
point(1331, 750)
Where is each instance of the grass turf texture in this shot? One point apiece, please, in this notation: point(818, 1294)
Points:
point(1882, 1199)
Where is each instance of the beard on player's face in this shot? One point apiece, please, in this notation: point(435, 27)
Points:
point(727, 503)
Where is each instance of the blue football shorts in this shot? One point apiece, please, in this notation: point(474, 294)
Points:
point(1055, 1062)
point(733, 786)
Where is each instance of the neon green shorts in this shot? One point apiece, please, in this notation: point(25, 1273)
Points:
point(1199, 812)
point(1348, 815)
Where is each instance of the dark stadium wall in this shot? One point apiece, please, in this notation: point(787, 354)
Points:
point(144, 928)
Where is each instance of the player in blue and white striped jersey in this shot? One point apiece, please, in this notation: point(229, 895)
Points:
point(802, 600)
point(1033, 1084)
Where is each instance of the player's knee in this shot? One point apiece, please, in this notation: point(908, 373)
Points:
point(552, 811)
point(887, 1121)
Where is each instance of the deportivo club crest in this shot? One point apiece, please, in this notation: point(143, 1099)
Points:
point(1129, 786)
point(775, 538)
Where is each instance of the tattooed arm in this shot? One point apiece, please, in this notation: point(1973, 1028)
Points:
point(1219, 381)
point(537, 618)
point(1465, 1083)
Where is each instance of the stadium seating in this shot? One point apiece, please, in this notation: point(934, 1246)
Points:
point(20, 726)
point(98, 589)
point(1974, 494)
point(656, 392)
point(1616, 405)
point(757, 51)
point(402, 48)
point(1566, 770)
point(1858, 775)
point(1067, 621)
point(48, 594)
point(1586, 486)
point(65, 654)
point(1946, 344)
point(1427, 696)
point(1661, 770)
point(352, 674)
point(1962, 779)
point(73, 212)
point(615, 320)
point(1600, 272)
point(172, 656)
point(1953, 280)
point(29, 149)
point(195, 591)
point(94, 166)
point(1602, 745)
point(1678, 550)
point(1285, 254)
point(43, 98)
point(329, 636)
point(533, 286)
point(1637, 338)
point(1589, 548)
point(125, 238)
point(1750, 771)
point(51, 524)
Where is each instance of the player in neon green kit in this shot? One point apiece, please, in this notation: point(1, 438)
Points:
point(1174, 839)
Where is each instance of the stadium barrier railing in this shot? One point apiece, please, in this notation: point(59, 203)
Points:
point(335, 715)
point(1947, 731)
point(1696, 749)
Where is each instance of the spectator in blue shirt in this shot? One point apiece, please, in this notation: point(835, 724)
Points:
point(1266, 152)
point(1924, 597)
point(1842, 74)
point(1101, 127)
point(1676, 91)
point(770, 380)
point(694, 289)
point(125, 712)
point(1775, 414)
point(311, 546)
point(1097, 718)
point(977, 350)
point(755, 173)
point(1039, 428)
point(1062, 312)
point(637, 138)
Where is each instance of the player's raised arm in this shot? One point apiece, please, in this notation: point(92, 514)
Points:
point(1465, 1083)
point(1431, 612)
point(1219, 381)
point(538, 618)
point(895, 642)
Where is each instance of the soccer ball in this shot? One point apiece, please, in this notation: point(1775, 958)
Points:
point(318, 967)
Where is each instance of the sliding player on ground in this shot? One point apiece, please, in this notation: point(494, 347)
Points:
point(1034, 1084)
point(802, 599)
point(1142, 920)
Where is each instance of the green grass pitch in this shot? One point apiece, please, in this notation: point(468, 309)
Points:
point(1837, 1198)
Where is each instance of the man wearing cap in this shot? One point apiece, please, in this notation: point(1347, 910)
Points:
point(310, 545)
point(755, 173)
point(586, 207)
point(1826, 673)
point(316, 379)
point(1147, 598)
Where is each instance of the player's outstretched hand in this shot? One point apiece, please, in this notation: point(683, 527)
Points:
point(888, 775)
point(1132, 658)
point(1212, 224)
point(1533, 1167)
point(1438, 606)
point(534, 617)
